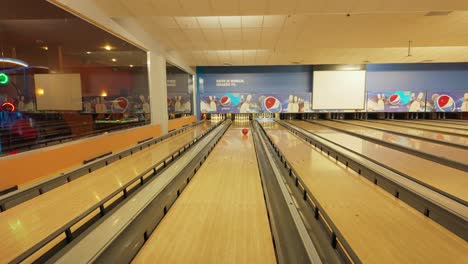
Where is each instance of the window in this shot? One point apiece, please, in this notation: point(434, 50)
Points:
point(62, 78)
point(179, 92)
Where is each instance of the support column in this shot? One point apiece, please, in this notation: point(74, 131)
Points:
point(158, 89)
point(195, 104)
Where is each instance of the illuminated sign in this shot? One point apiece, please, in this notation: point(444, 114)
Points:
point(4, 79)
point(8, 107)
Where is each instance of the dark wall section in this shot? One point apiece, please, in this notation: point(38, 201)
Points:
point(256, 79)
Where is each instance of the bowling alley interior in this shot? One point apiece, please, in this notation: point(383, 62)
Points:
point(233, 131)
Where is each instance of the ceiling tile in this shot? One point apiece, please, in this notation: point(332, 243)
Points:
point(249, 7)
point(226, 7)
point(230, 21)
point(187, 22)
point(196, 8)
point(213, 34)
point(275, 21)
point(209, 22)
point(232, 34)
point(252, 21)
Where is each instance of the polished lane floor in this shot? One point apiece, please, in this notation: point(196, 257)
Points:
point(379, 227)
point(221, 216)
point(445, 179)
point(439, 136)
point(29, 223)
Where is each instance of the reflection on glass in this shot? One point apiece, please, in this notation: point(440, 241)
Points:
point(179, 92)
point(62, 78)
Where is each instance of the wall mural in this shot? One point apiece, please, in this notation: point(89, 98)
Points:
point(255, 103)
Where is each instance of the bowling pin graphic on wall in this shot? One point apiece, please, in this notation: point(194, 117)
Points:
point(245, 107)
point(417, 104)
point(464, 106)
point(255, 103)
point(396, 101)
point(380, 102)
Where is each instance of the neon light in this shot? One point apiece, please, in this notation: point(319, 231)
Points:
point(14, 61)
point(13, 108)
point(4, 79)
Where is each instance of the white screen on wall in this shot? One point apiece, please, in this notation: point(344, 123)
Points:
point(339, 90)
point(58, 91)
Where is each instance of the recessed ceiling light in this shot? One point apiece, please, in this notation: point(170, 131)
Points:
point(114, 60)
point(131, 65)
point(88, 52)
point(45, 48)
point(107, 47)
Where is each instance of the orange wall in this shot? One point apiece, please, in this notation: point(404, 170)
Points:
point(180, 122)
point(27, 167)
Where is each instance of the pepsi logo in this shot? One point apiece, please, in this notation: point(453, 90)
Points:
point(394, 99)
point(120, 105)
point(444, 103)
point(272, 105)
point(225, 101)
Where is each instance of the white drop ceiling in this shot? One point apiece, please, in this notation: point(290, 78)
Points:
point(279, 32)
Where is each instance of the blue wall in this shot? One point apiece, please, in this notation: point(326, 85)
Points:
point(430, 77)
point(256, 79)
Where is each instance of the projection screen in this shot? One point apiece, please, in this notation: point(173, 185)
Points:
point(58, 91)
point(339, 90)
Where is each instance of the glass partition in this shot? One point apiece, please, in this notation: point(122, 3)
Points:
point(179, 92)
point(62, 78)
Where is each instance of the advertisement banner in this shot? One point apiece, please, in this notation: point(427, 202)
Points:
point(396, 101)
point(450, 101)
point(255, 103)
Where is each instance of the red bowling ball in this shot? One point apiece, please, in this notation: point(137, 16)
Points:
point(245, 131)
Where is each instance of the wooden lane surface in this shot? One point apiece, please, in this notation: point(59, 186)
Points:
point(27, 224)
point(415, 132)
point(437, 124)
point(221, 215)
point(442, 151)
point(441, 177)
point(379, 227)
point(451, 121)
point(423, 126)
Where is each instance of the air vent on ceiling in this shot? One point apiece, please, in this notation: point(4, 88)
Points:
point(227, 64)
point(295, 62)
point(427, 60)
point(438, 13)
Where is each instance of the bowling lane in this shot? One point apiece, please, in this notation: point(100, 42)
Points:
point(451, 121)
point(221, 216)
point(439, 150)
point(443, 178)
point(27, 224)
point(379, 227)
point(458, 132)
point(436, 124)
point(463, 141)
